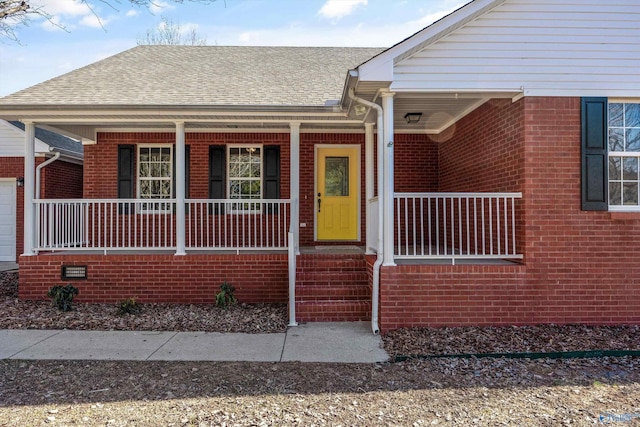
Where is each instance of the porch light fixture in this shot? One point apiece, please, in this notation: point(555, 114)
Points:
point(360, 109)
point(74, 272)
point(20, 181)
point(412, 117)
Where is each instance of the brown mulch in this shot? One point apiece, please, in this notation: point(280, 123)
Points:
point(248, 318)
point(511, 339)
point(270, 318)
point(447, 391)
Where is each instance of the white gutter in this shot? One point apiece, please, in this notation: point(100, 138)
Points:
point(42, 165)
point(375, 292)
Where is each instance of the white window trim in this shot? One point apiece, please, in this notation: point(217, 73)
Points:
point(633, 154)
point(138, 186)
point(261, 179)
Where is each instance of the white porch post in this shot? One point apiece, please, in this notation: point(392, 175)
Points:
point(29, 187)
point(294, 182)
point(180, 193)
point(389, 188)
point(369, 182)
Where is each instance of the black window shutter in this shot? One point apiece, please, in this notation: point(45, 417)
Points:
point(217, 173)
point(594, 154)
point(125, 174)
point(271, 179)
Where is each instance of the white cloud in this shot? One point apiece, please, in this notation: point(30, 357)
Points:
point(157, 7)
point(64, 7)
point(131, 12)
point(336, 9)
point(93, 21)
point(68, 14)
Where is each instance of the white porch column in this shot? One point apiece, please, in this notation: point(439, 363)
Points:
point(294, 182)
point(180, 193)
point(389, 188)
point(29, 187)
point(369, 182)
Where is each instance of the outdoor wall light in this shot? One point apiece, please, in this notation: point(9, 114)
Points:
point(20, 181)
point(360, 109)
point(412, 117)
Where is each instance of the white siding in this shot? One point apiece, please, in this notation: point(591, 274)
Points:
point(12, 141)
point(546, 47)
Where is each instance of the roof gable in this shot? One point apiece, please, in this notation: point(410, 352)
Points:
point(537, 48)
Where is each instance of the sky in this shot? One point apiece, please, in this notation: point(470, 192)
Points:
point(101, 28)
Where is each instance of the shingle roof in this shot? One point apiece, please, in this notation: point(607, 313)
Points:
point(53, 139)
point(203, 75)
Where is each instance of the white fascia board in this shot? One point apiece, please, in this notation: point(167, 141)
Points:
point(380, 67)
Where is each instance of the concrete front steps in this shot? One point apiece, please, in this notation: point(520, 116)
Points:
point(332, 288)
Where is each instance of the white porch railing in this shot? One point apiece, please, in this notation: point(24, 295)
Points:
point(145, 224)
point(456, 225)
point(234, 224)
point(102, 224)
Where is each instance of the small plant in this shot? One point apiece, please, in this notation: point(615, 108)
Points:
point(62, 296)
point(226, 296)
point(129, 306)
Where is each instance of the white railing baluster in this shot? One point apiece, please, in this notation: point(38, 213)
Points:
point(111, 224)
point(488, 232)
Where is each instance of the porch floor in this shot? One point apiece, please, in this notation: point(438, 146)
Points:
point(304, 250)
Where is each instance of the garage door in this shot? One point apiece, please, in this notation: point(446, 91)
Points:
point(8, 220)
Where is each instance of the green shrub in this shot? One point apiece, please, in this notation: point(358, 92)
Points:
point(129, 306)
point(62, 296)
point(226, 296)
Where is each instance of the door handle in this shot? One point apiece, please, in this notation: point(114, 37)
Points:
point(319, 201)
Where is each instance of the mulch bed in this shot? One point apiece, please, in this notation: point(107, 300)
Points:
point(270, 318)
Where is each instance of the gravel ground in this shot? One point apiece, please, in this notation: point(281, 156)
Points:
point(487, 391)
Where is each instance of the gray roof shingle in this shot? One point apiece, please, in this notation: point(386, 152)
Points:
point(54, 140)
point(203, 76)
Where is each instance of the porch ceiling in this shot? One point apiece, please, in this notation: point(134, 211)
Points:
point(439, 110)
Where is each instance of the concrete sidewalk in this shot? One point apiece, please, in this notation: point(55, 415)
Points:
point(349, 342)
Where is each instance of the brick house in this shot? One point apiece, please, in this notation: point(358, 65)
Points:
point(483, 171)
point(60, 162)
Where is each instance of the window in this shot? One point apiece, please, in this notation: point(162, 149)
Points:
point(245, 176)
point(155, 175)
point(624, 156)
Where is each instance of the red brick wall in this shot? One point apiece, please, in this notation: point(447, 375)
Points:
point(101, 165)
point(194, 278)
point(484, 152)
point(101, 160)
point(579, 267)
point(57, 183)
point(415, 163)
point(61, 180)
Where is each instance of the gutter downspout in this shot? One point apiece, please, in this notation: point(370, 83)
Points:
point(55, 157)
point(375, 292)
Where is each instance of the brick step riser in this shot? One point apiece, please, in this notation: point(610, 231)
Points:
point(333, 264)
point(306, 294)
point(331, 278)
point(333, 311)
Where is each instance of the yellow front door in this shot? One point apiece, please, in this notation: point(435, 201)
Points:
point(338, 187)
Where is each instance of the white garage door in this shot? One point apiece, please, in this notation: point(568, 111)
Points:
point(7, 220)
